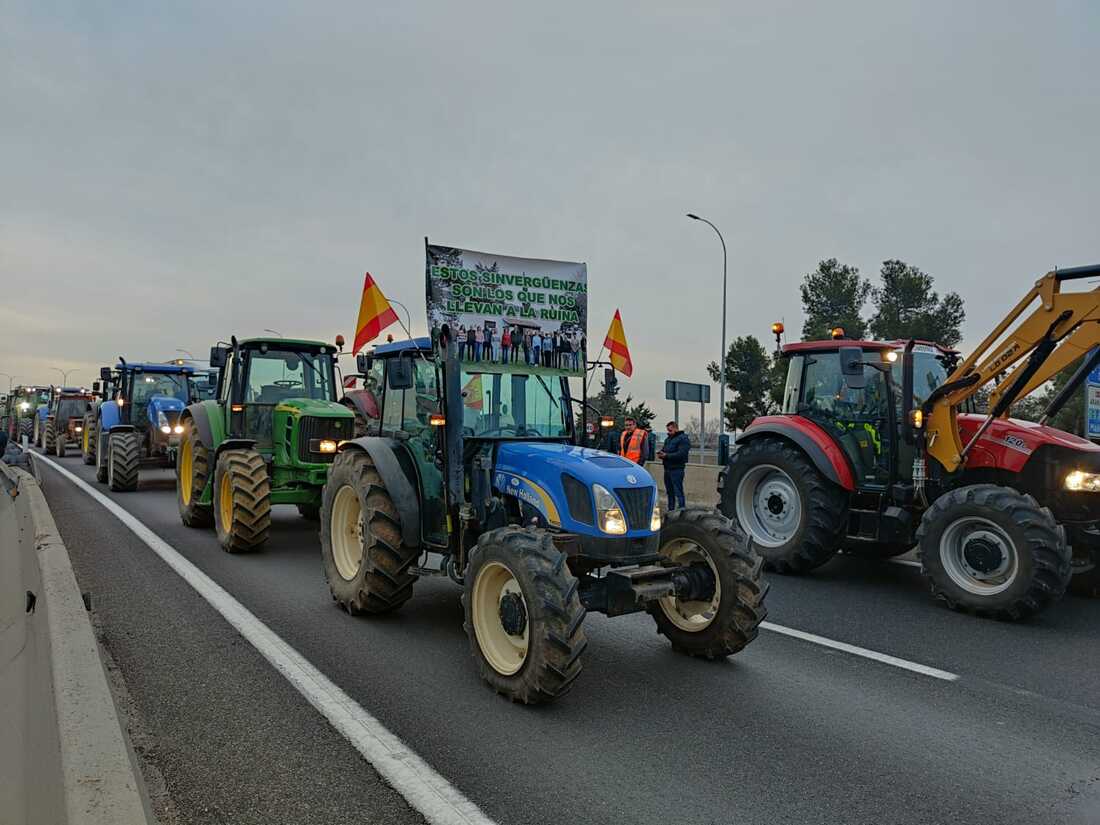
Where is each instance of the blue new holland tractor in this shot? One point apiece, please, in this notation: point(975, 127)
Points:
point(138, 424)
point(473, 472)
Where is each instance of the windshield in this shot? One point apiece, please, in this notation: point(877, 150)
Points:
point(72, 408)
point(929, 372)
point(499, 405)
point(173, 385)
point(276, 375)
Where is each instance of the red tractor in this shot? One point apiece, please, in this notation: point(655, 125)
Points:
point(874, 451)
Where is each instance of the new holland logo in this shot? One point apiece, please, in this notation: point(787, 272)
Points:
point(633, 479)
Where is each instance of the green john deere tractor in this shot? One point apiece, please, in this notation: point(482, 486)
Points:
point(267, 437)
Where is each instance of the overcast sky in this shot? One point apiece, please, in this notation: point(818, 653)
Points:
point(176, 173)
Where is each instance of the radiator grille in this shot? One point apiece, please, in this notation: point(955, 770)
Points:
point(311, 427)
point(578, 498)
point(638, 502)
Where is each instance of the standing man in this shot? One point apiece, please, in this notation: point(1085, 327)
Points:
point(674, 455)
point(505, 345)
point(536, 350)
point(479, 342)
point(461, 339)
point(632, 442)
point(575, 350)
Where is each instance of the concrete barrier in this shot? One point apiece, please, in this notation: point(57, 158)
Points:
point(63, 755)
point(700, 483)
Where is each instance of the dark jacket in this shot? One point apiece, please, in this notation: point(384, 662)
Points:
point(676, 449)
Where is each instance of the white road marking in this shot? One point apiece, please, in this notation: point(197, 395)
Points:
point(906, 562)
point(424, 789)
point(885, 658)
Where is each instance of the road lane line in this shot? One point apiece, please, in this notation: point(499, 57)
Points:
point(885, 658)
point(906, 562)
point(424, 789)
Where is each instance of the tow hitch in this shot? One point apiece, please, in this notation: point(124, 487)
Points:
point(631, 589)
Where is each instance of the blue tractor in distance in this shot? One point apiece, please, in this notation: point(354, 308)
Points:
point(473, 472)
point(138, 424)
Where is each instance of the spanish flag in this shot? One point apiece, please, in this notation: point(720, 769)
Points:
point(375, 314)
point(472, 396)
point(616, 345)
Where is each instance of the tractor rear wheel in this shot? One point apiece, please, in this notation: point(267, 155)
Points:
point(123, 457)
point(523, 615)
point(192, 475)
point(993, 551)
point(37, 441)
point(366, 563)
point(101, 456)
point(726, 622)
point(795, 517)
point(49, 434)
point(87, 441)
point(242, 500)
point(26, 430)
point(59, 439)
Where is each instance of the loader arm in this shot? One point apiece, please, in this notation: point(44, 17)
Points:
point(1058, 330)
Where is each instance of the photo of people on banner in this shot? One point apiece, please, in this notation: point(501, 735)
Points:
point(509, 312)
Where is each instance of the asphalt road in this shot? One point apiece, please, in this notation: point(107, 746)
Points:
point(787, 731)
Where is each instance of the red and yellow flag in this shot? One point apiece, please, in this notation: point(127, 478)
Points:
point(616, 345)
point(472, 396)
point(375, 314)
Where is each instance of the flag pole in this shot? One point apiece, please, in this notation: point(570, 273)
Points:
point(595, 364)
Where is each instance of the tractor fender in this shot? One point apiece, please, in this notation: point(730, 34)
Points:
point(109, 415)
point(201, 418)
point(826, 454)
point(233, 444)
point(122, 428)
point(383, 453)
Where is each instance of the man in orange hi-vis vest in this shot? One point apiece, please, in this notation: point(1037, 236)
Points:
point(632, 442)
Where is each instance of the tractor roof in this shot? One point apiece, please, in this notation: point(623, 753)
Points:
point(423, 344)
point(834, 344)
point(286, 343)
point(162, 369)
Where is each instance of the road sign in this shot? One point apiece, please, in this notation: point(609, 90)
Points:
point(1092, 403)
point(684, 391)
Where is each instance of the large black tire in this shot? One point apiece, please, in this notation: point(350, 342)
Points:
point(725, 625)
point(242, 500)
point(1086, 550)
point(101, 441)
point(366, 563)
point(26, 430)
point(123, 459)
point(192, 476)
point(37, 425)
point(822, 514)
point(49, 435)
point(542, 596)
point(88, 440)
point(59, 440)
point(993, 522)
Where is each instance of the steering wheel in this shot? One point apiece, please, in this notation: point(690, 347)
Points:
point(500, 429)
point(287, 383)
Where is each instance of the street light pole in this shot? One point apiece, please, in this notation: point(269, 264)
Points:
point(187, 353)
point(10, 379)
point(722, 359)
point(64, 375)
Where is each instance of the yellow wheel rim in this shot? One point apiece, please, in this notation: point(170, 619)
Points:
point(186, 481)
point(84, 440)
point(225, 501)
point(504, 652)
point(346, 528)
point(691, 616)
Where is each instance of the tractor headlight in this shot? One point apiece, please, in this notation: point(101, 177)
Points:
point(609, 516)
point(1083, 482)
point(24, 406)
point(78, 428)
point(327, 445)
point(178, 429)
point(162, 422)
point(655, 519)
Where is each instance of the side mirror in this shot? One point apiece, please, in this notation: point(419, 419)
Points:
point(363, 363)
point(104, 373)
point(399, 374)
point(851, 367)
point(218, 356)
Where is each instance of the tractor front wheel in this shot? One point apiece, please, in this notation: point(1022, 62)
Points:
point(26, 430)
point(123, 457)
point(192, 475)
point(59, 439)
point(49, 435)
point(523, 615)
point(87, 441)
point(101, 456)
point(795, 517)
point(242, 500)
point(37, 440)
point(993, 551)
point(728, 620)
point(366, 563)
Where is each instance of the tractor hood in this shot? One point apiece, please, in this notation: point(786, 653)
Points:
point(1009, 443)
point(313, 407)
point(165, 404)
point(535, 472)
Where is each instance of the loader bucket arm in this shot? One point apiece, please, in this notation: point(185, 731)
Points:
point(1058, 330)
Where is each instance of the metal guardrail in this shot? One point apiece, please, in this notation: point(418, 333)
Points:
point(63, 756)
